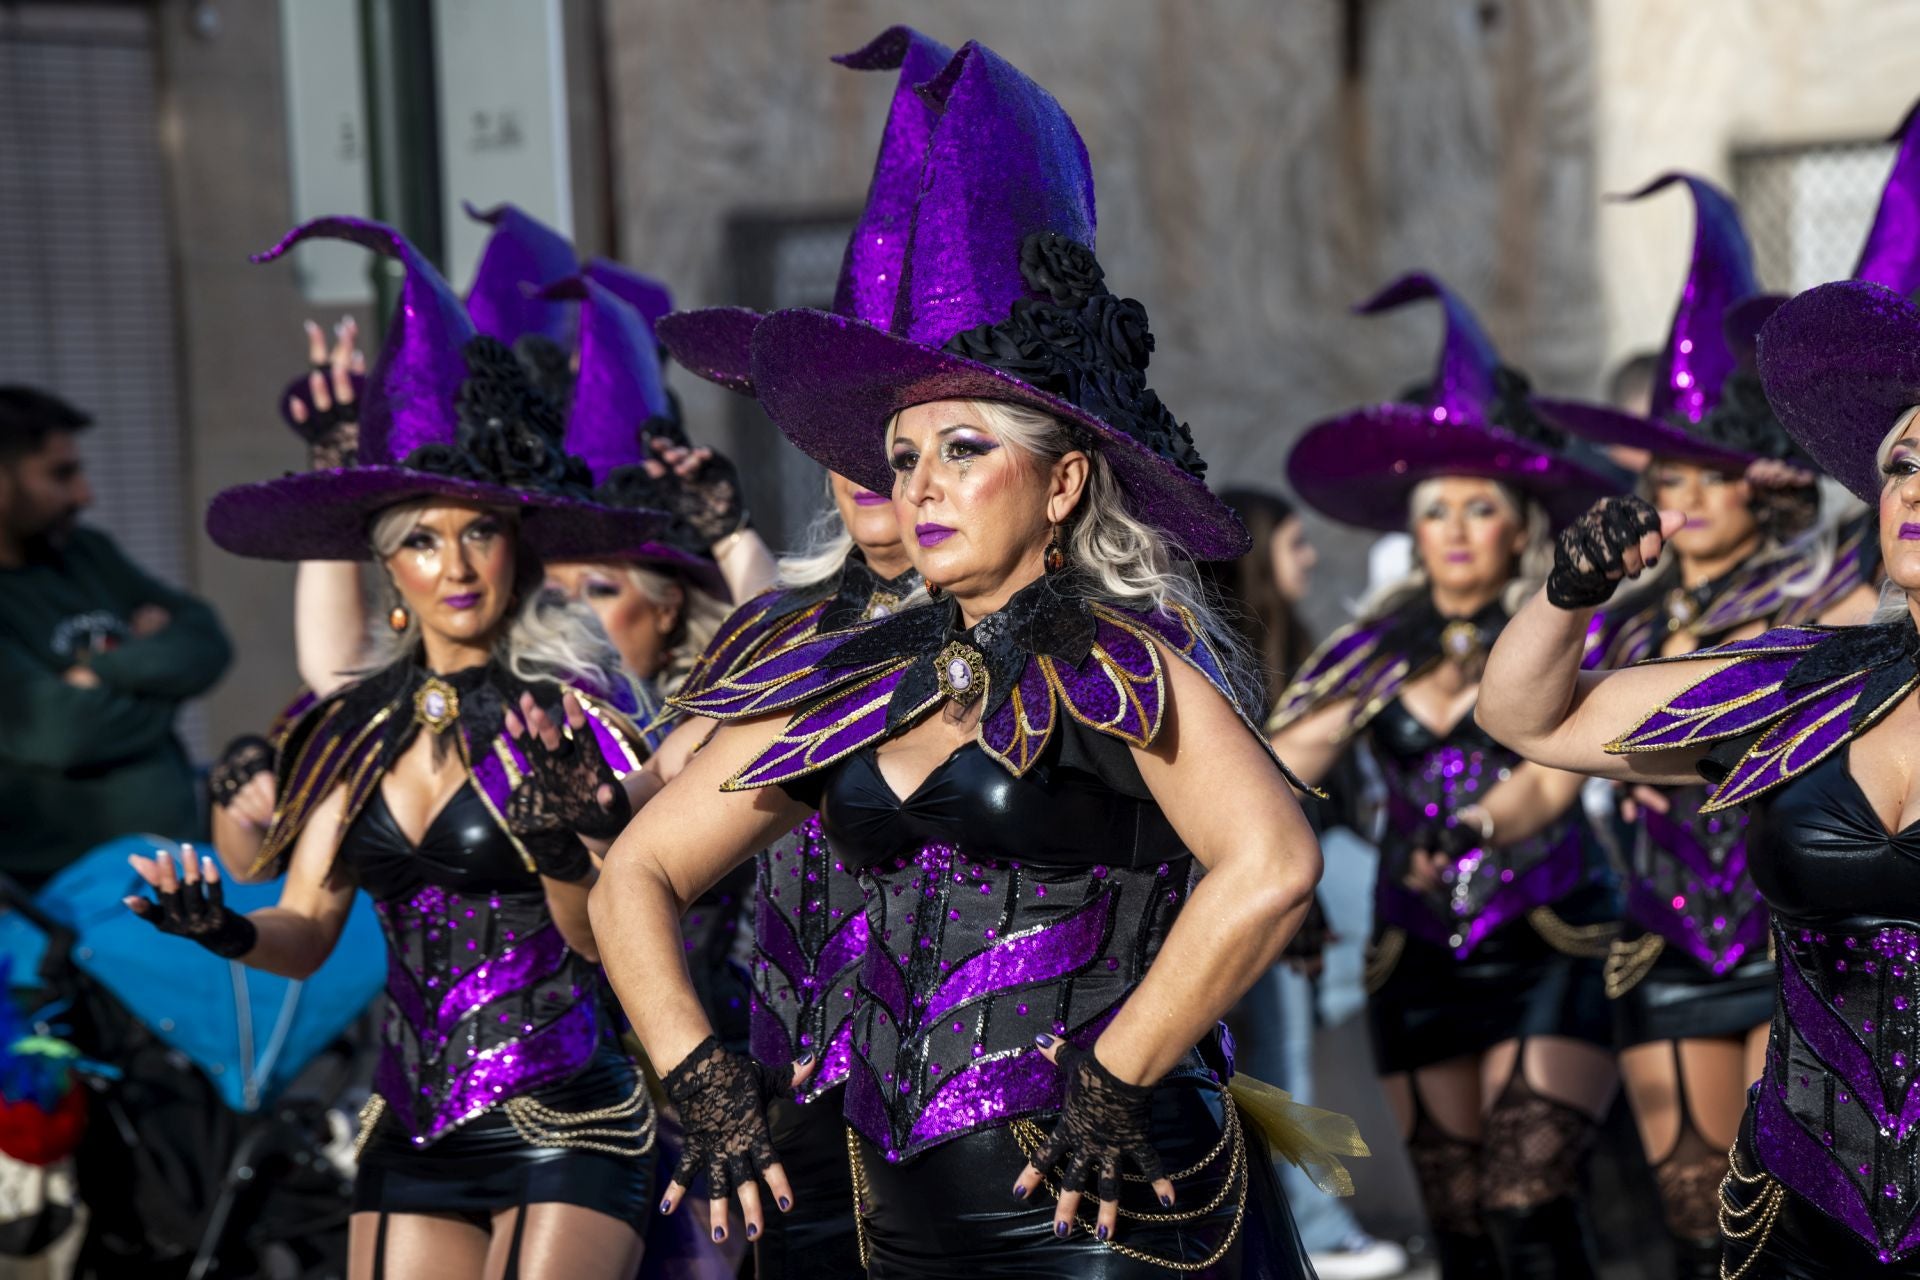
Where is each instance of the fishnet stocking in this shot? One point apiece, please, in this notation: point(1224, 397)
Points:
point(1534, 1148)
point(1448, 1171)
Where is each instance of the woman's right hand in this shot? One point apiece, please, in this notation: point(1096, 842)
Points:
point(190, 903)
point(328, 416)
point(1617, 538)
point(722, 1099)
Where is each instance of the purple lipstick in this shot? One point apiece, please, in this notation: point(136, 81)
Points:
point(464, 601)
point(868, 498)
point(1910, 533)
point(932, 535)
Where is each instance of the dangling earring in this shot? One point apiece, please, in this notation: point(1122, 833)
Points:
point(399, 619)
point(1056, 551)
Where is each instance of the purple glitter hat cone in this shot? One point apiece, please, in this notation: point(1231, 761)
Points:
point(1890, 256)
point(643, 293)
point(1002, 299)
point(522, 254)
point(617, 393)
point(716, 343)
point(1360, 468)
point(1840, 364)
point(409, 417)
point(1697, 359)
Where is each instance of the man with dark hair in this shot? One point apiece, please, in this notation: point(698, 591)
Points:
point(95, 659)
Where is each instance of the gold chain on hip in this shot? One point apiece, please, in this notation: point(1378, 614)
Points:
point(540, 1125)
point(1628, 962)
point(370, 1112)
point(1382, 956)
point(1755, 1219)
point(859, 1172)
point(1030, 1139)
point(1582, 941)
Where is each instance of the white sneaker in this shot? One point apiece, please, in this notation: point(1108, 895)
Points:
point(1360, 1257)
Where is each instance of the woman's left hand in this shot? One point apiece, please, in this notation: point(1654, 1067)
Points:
point(706, 488)
point(1103, 1124)
point(570, 788)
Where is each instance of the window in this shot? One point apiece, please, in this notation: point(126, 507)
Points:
point(1807, 208)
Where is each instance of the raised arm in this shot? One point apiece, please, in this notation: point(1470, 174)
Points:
point(1314, 743)
point(1533, 695)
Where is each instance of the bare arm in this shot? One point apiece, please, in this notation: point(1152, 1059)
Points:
point(746, 562)
point(329, 622)
point(1261, 862)
point(679, 747)
point(1531, 799)
point(1314, 743)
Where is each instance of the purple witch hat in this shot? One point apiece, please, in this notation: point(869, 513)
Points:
point(1360, 468)
point(1697, 360)
point(716, 343)
point(415, 441)
point(1002, 299)
point(522, 254)
point(618, 400)
point(1890, 256)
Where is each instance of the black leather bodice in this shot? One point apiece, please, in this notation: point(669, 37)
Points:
point(462, 848)
point(1823, 853)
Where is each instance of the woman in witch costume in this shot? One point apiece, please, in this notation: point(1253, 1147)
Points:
point(1689, 977)
point(1493, 906)
point(455, 782)
point(809, 913)
point(1808, 730)
point(1024, 773)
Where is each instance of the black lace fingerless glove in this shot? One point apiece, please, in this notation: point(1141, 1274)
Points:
point(709, 500)
point(1587, 555)
point(561, 791)
point(1103, 1121)
point(245, 759)
point(722, 1100)
point(198, 911)
point(332, 434)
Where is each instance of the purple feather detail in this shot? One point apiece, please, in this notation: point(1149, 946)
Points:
point(1656, 914)
point(836, 1062)
point(392, 1082)
point(1790, 1154)
point(613, 747)
point(1738, 698)
point(1796, 742)
point(777, 945)
point(519, 966)
point(1760, 592)
point(1041, 954)
point(551, 1053)
point(837, 727)
point(866, 1105)
point(1330, 672)
point(1017, 733)
point(767, 1037)
point(1118, 688)
point(1842, 579)
point(403, 989)
point(781, 680)
point(762, 625)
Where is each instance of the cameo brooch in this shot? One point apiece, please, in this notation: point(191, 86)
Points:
point(962, 672)
point(436, 704)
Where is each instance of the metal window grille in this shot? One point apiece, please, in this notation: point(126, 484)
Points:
point(784, 260)
point(88, 308)
point(1807, 208)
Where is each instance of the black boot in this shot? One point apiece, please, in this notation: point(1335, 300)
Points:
point(1465, 1257)
point(1543, 1242)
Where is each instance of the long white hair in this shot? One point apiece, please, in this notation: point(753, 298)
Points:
point(1531, 569)
point(546, 638)
point(1893, 600)
point(1125, 559)
point(700, 617)
point(823, 554)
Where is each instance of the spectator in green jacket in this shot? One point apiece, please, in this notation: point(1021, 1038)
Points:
point(95, 660)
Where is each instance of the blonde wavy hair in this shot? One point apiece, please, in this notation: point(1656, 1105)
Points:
point(1125, 559)
point(1530, 571)
point(1893, 600)
point(546, 637)
point(823, 553)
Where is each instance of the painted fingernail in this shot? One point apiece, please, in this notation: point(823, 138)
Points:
point(785, 1204)
point(719, 1234)
point(666, 1206)
point(1166, 1201)
point(1019, 1192)
point(805, 1059)
point(1043, 1040)
point(1060, 1229)
point(1102, 1232)
point(752, 1231)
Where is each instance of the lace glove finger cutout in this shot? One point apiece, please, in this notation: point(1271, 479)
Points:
point(1588, 556)
point(722, 1099)
point(563, 788)
point(197, 910)
point(1103, 1121)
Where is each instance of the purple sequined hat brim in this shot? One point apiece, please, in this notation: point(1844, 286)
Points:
point(1361, 467)
point(1840, 364)
point(327, 515)
point(831, 384)
point(1601, 425)
point(715, 343)
point(700, 571)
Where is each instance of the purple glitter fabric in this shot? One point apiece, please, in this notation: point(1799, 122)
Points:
point(1840, 364)
point(810, 933)
point(1837, 1116)
point(1697, 358)
point(618, 387)
point(521, 255)
point(643, 293)
point(1891, 255)
point(511, 1007)
point(716, 343)
point(1360, 468)
point(1687, 881)
point(968, 961)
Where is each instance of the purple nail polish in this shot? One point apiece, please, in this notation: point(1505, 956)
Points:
point(719, 1233)
point(1060, 1229)
point(666, 1206)
point(752, 1231)
point(1043, 1039)
point(785, 1204)
point(1019, 1192)
point(1102, 1233)
point(1166, 1201)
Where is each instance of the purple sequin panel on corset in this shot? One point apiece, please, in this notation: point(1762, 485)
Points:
point(1837, 1114)
point(967, 962)
point(484, 1001)
point(1490, 887)
point(1689, 882)
point(810, 932)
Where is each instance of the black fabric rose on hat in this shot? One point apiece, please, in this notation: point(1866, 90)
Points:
point(1083, 344)
point(509, 431)
point(1512, 410)
point(1062, 268)
point(1743, 420)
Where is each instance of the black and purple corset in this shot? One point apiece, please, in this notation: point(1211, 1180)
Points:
point(971, 961)
point(810, 932)
point(1837, 1114)
point(1429, 779)
point(1688, 882)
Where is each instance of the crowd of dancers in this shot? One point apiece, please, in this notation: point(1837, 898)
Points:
point(998, 785)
